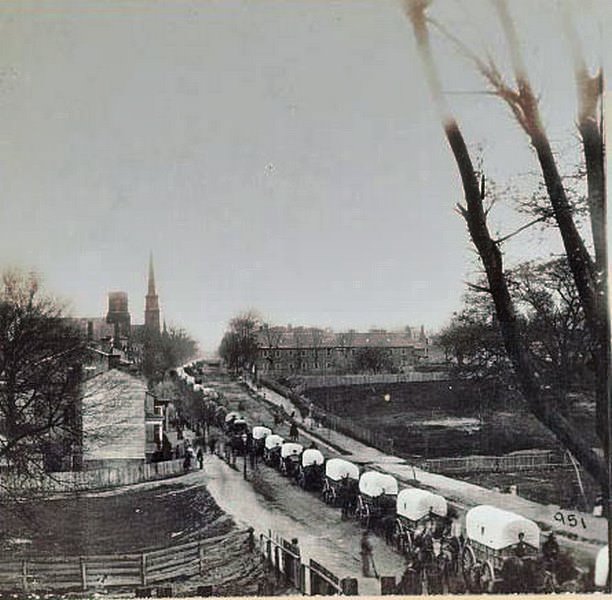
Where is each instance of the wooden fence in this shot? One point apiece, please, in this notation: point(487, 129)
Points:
point(285, 558)
point(91, 480)
point(205, 557)
point(323, 381)
point(523, 461)
point(350, 427)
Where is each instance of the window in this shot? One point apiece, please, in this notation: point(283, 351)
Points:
point(277, 353)
point(316, 365)
point(291, 366)
point(328, 365)
point(329, 350)
point(403, 350)
point(302, 352)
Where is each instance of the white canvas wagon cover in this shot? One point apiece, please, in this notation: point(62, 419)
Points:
point(373, 483)
point(273, 441)
point(414, 504)
point(601, 568)
point(231, 416)
point(337, 468)
point(260, 432)
point(289, 448)
point(497, 529)
point(312, 456)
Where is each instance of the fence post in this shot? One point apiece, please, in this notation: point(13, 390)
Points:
point(201, 558)
point(303, 578)
point(314, 587)
point(83, 573)
point(143, 569)
point(349, 586)
point(24, 575)
point(387, 586)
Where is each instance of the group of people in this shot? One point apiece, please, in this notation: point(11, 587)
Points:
point(191, 455)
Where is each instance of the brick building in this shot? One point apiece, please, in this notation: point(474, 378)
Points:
point(302, 350)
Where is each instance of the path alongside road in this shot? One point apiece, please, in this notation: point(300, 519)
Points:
point(587, 539)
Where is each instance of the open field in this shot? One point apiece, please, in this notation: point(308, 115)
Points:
point(435, 419)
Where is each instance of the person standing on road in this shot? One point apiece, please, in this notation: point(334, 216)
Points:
point(212, 444)
point(367, 560)
point(200, 457)
point(293, 431)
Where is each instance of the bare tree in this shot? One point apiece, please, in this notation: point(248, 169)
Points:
point(589, 276)
point(40, 374)
point(239, 346)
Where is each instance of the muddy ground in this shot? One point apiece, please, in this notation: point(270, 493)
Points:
point(133, 520)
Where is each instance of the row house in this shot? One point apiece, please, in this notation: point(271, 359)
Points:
point(311, 351)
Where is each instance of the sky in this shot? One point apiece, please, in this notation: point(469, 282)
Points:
point(277, 156)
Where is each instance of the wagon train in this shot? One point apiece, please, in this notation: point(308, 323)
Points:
point(290, 458)
point(376, 499)
point(502, 553)
point(341, 484)
point(259, 437)
point(417, 512)
point(272, 449)
point(310, 470)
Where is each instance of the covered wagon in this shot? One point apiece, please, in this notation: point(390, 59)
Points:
point(341, 484)
point(417, 511)
point(311, 468)
point(290, 458)
point(260, 433)
point(272, 449)
point(497, 541)
point(602, 568)
point(376, 499)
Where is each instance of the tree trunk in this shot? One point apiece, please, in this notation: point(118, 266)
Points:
point(491, 257)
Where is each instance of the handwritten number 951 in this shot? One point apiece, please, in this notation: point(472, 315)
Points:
point(570, 520)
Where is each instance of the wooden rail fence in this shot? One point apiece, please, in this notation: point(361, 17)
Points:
point(208, 557)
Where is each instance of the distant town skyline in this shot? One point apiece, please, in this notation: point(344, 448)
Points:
point(282, 157)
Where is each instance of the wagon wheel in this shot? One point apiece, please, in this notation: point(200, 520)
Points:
point(468, 560)
point(487, 577)
point(408, 542)
point(398, 538)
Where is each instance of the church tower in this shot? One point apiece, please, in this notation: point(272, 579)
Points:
point(151, 302)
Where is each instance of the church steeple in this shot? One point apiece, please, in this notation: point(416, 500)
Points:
point(151, 301)
point(151, 288)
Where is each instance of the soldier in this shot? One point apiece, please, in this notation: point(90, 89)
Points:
point(521, 548)
point(367, 560)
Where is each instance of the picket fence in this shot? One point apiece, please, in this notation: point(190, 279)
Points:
point(509, 463)
point(323, 381)
point(204, 558)
point(70, 481)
